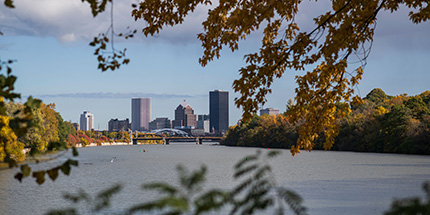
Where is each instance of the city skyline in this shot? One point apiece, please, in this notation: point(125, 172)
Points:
point(186, 110)
point(54, 60)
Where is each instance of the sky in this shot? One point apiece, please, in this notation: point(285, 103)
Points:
point(49, 41)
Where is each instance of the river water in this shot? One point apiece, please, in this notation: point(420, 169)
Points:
point(331, 183)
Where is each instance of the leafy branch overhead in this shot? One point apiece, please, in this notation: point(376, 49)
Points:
point(342, 35)
point(52, 173)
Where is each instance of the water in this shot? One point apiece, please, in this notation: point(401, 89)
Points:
point(331, 183)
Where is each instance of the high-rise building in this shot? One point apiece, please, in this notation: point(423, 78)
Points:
point(218, 110)
point(116, 125)
point(270, 111)
point(140, 114)
point(184, 116)
point(203, 123)
point(87, 121)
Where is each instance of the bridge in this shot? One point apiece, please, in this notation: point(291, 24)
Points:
point(166, 140)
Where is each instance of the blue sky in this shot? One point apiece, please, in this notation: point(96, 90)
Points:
point(50, 40)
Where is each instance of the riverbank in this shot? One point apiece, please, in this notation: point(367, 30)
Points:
point(79, 145)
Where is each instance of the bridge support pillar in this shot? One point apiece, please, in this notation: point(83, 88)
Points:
point(167, 141)
point(164, 140)
point(134, 141)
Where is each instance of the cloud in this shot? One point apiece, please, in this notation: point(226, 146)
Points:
point(117, 95)
point(71, 20)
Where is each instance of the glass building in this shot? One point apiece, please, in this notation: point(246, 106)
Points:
point(140, 114)
point(218, 111)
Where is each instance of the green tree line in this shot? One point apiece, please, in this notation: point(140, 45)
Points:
point(381, 123)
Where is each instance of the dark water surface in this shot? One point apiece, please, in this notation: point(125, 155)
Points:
point(331, 183)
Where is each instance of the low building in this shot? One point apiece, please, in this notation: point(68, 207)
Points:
point(197, 132)
point(160, 123)
point(116, 125)
point(270, 111)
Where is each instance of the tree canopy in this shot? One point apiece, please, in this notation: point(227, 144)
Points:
point(341, 35)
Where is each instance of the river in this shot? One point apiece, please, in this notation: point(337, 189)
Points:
point(331, 183)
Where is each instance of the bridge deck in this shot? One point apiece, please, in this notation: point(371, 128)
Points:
point(166, 140)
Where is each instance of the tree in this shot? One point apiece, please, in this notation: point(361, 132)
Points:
point(342, 34)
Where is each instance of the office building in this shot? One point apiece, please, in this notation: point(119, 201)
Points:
point(87, 121)
point(140, 114)
point(270, 111)
point(116, 125)
point(218, 111)
point(160, 123)
point(203, 123)
point(184, 116)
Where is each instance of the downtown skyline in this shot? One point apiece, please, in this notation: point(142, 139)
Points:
point(55, 63)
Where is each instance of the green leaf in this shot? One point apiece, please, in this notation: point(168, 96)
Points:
point(211, 200)
point(273, 153)
point(75, 151)
point(53, 173)
point(19, 177)
point(245, 170)
point(25, 169)
point(65, 168)
point(9, 3)
point(72, 162)
point(40, 176)
point(247, 159)
point(161, 187)
point(103, 198)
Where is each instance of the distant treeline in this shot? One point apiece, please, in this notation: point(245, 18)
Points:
point(389, 124)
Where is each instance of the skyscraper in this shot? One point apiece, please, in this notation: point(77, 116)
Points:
point(184, 116)
point(86, 121)
point(140, 114)
point(218, 110)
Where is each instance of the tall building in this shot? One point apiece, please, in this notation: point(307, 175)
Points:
point(118, 125)
point(140, 114)
point(184, 116)
point(270, 111)
point(87, 121)
point(160, 123)
point(218, 110)
point(203, 123)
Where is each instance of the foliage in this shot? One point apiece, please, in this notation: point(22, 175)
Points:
point(51, 173)
point(394, 124)
point(265, 131)
point(16, 124)
point(8, 141)
point(412, 206)
point(97, 204)
point(341, 34)
point(256, 192)
point(398, 124)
